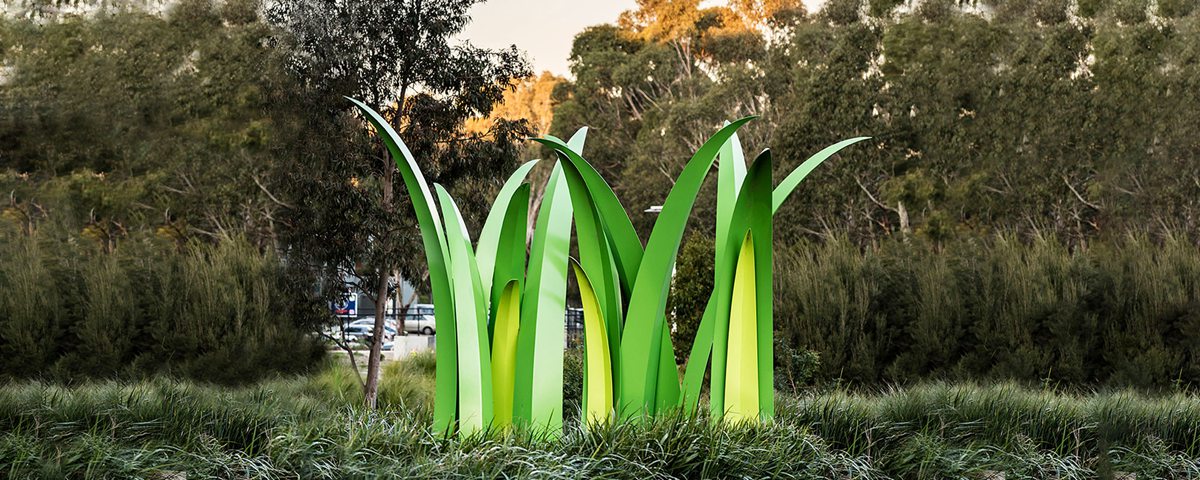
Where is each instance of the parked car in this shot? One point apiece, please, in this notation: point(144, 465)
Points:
point(419, 319)
point(389, 326)
point(370, 321)
point(354, 333)
point(423, 324)
point(360, 330)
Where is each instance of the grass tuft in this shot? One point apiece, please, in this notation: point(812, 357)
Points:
point(313, 427)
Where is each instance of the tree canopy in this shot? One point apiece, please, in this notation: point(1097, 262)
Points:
point(1026, 116)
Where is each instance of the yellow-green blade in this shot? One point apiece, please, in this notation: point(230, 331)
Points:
point(741, 369)
point(598, 394)
point(504, 353)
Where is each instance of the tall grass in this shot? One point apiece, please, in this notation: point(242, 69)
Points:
point(1120, 313)
point(303, 427)
point(224, 312)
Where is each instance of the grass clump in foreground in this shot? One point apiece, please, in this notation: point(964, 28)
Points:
point(312, 427)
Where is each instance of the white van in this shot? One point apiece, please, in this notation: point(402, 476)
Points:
point(419, 319)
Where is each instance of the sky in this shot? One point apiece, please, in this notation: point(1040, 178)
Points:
point(544, 29)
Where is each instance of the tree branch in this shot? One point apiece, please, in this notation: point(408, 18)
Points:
point(1077, 195)
point(269, 195)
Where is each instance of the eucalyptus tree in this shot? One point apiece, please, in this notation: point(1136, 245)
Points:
point(150, 120)
point(399, 58)
point(663, 74)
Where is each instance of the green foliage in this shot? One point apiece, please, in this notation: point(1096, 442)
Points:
point(406, 384)
point(228, 313)
point(794, 368)
point(149, 121)
point(573, 380)
point(690, 290)
point(1026, 116)
point(32, 315)
point(347, 196)
point(1119, 312)
point(297, 428)
point(222, 313)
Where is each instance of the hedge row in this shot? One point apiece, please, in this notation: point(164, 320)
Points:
point(223, 312)
point(1123, 312)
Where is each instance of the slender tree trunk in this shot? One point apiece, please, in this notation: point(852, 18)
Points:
point(371, 390)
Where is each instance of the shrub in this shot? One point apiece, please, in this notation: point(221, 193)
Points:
point(32, 313)
point(691, 288)
point(1124, 312)
point(408, 383)
point(222, 312)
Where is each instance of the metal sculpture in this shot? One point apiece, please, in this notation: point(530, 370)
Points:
point(500, 318)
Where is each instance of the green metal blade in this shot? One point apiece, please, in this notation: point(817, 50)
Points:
point(667, 393)
point(437, 258)
point(474, 352)
point(539, 381)
point(731, 170)
point(577, 140)
point(761, 226)
point(697, 364)
point(504, 353)
point(642, 339)
point(623, 240)
point(789, 183)
point(489, 237)
point(596, 256)
point(509, 251)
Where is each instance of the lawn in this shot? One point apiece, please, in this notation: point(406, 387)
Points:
point(311, 427)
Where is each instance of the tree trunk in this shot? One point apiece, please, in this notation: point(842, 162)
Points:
point(371, 390)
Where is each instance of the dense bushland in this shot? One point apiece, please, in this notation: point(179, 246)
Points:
point(1071, 117)
point(305, 427)
point(1123, 312)
point(222, 312)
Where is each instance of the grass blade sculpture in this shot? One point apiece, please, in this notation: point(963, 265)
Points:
point(646, 370)
point(500, 318)
point(702, 348)
point(437, 258)
point(474, 352)
point(598, 381)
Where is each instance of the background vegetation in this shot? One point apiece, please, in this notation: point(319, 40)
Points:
point(1054, 117)
point(220, 313)
point(1124, 312)
point(1026, 210)
point(183, 196)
